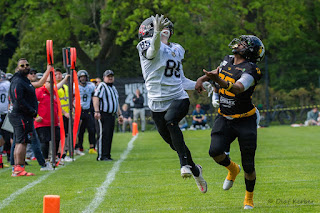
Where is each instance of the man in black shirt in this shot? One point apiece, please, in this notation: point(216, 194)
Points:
point(237, 77)
point(138, 109)
point(23, 109)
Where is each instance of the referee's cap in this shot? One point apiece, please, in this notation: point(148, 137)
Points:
point(108, 72)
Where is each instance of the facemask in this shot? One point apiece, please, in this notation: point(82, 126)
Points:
point(165, 33)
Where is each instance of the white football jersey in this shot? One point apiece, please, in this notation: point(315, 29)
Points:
point(4, 99)
point(86, 93)
point(163, 74)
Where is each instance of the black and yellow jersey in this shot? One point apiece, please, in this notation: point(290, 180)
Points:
point(240, 105)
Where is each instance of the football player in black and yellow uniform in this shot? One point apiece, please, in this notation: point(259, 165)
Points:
point(237, 76)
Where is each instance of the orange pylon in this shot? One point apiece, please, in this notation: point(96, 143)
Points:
point(51, 204)
point(134, 129)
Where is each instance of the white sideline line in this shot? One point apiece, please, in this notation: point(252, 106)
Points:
point(5, 169)
point(102, 190)
point(13, 196)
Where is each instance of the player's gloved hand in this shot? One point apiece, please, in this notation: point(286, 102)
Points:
point(215, 100)
point(159, 22)
point(208, 87)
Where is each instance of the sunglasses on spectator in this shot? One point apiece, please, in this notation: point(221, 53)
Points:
point(24, 65)
point(32, 73)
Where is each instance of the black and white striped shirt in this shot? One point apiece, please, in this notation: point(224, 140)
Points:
point(108, 97)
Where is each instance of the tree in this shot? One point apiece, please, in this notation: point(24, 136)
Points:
point(105, 33)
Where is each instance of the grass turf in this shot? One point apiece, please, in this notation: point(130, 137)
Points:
point(287, 166)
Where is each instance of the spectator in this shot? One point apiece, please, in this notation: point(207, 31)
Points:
point(86, 89)
point(313, 117)
point(98, 81)
point(63, 93)
point(42, 122)
point(138, 110)
point(106, 105)
point(198, 117)
point(4, 91)
point(183, 124)
point(35, 142)
point(32, 76)
point(23, 109)
point(127, 118)
point(9, 76)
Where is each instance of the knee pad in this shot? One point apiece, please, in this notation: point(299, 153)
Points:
point(248, 167)
point(215, 152)
point(170, 119)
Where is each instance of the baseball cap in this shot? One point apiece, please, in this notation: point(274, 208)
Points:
point(32, 70)
point(198, 106)
point(108, 72)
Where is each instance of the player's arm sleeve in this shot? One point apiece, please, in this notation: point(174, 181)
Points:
point(154, 47)
point(187, 84)
point(246, 80)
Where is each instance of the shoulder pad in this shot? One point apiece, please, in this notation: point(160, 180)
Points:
point(226, 60)
point(143, 45)
point(254, 70)
point(179, 48)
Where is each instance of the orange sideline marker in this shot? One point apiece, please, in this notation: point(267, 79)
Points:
point(134, 129)
point(51, 204)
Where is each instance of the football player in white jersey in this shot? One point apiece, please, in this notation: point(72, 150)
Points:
point(166, 84)
point(4, 102)
point(86, 89)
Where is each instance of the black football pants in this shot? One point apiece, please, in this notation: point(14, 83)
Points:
point(167, 125)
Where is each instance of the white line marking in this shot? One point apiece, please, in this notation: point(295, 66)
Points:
point(13, 196)
point(5, 169)
point(102, 190)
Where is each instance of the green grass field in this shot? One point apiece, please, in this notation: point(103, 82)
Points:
point(148, 180)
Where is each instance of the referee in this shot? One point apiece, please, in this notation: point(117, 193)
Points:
point(106, 105)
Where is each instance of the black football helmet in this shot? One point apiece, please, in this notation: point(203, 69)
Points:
point(83, 73)
point(146, 29)
point(253, 47)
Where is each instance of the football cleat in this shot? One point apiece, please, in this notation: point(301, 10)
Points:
point(201, 183)
point(78, 152)
point(228, 182)
point(186, 171)
point(19, 171)
point(67, 159)
point(248, 200)
point(248, 207)
point(92, 151)
point(47, 167)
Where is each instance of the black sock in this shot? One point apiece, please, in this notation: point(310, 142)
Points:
point(195, 171)
point(250, 184)
point(225, 162)
point(178, 143)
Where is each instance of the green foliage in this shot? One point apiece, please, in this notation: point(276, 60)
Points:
point(105, 34)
